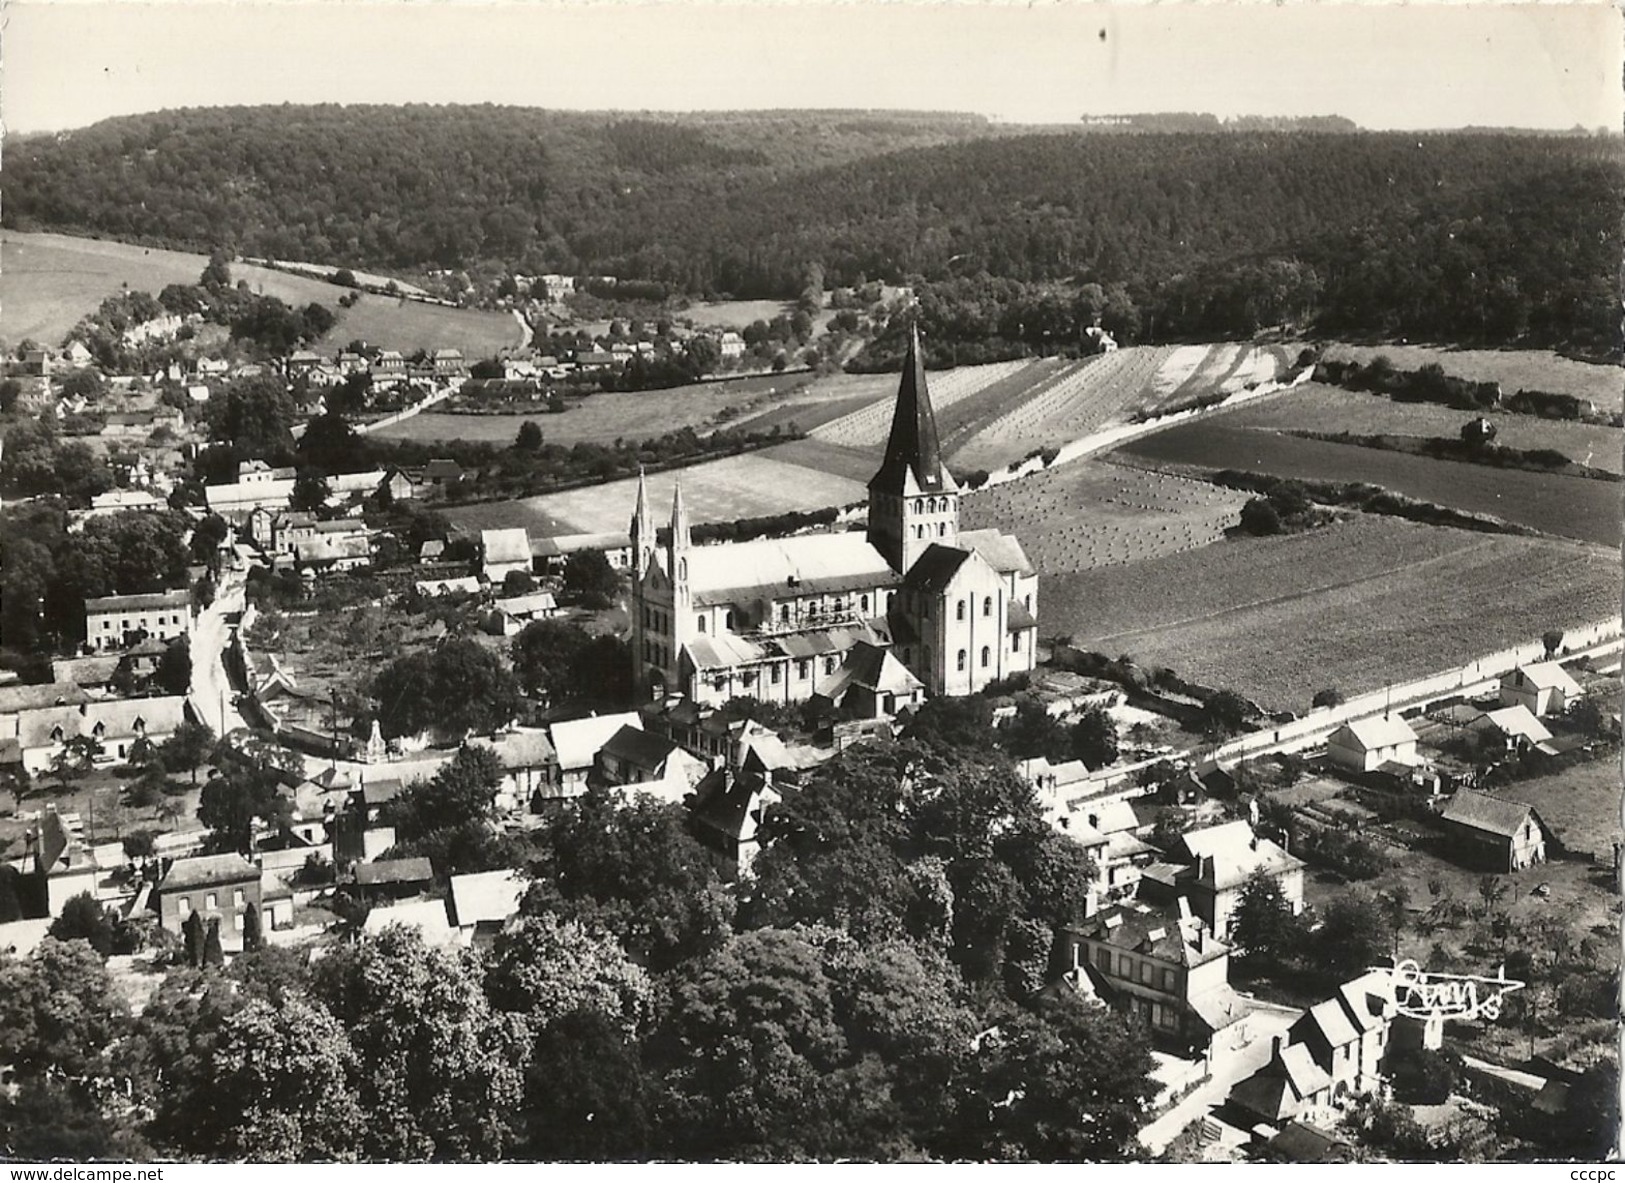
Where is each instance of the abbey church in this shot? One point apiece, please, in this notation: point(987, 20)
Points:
point(873, 620)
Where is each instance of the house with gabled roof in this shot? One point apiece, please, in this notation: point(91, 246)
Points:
point(1290, 1087)
point(641, 761)
point(1364, 745)
point(576, 742)
point(1218, 862)
point(1494, 833)
point(1517, 727)
point(1544, 687)
point(503, 552)
point(216, 886)
point(115, 724)
point(726, 810)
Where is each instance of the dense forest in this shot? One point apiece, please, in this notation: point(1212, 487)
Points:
point(1471, 236)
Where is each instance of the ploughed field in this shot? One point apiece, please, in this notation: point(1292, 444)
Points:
point(1320, 408)
point(48, 282)
point(1367, 601)
point(1514, 369)
point(1092, 513)
point(747, 486)
point(1566, 506)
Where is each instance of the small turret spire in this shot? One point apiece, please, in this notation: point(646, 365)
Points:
point(642, 530)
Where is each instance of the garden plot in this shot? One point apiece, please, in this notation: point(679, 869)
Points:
point(1091, 514)
point(870, 425)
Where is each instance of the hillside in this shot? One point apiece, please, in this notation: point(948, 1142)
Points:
point(1461, 237)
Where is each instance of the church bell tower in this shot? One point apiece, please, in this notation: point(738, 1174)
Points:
point(913, 500)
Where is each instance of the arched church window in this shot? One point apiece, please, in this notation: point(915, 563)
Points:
point(987, 605)
point(942, 529)
point(863, 604)
point(1015, 642)
point(699, 623)
point(960, 663)
point(682, 568)
point(986, 656)
point(959, 610)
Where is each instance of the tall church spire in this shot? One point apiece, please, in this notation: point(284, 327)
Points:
point(681, 540)
point(913, 447)
point(642, 532)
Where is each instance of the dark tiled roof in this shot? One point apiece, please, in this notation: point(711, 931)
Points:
point(641, 748)
point(1478, 811)
point(913, 444)
point(933, 570)
point(400, 870)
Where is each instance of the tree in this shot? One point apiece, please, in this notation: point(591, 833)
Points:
point(1263, 929)
point(1331, 696)
point(84, 919)
point(207, 538)
point(188, 747)
point(232, 803)
point(255, 416)
point(174, 672)
point(589, 579)
point(1552, 640)
point(1094, 738)
point(463, 790)
point(1353, 935)
point(529, 438)
point(588, 1097)
point(212, 952)
point(455, 688)
point(1226, 713)
point(544, 969)
point(517, 583)
point(1260, 517)
point(437, 1068)
point(1478, 432)
point(544, 656)
point(311, 491)
point(252, 936)
point(76, 759)
point(59, 1010)
point(192, 931)
point(217, 274)
point(634, 871)
point(1062, 1082)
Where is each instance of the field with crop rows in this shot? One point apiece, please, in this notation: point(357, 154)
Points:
point(1081, 398)
point(1355, 605)
point(1090, 514)
point(1567, 506)
point(1314, 407)
point(868, 427)
point(49, 281)
point(752, 485)
point(1514, 369)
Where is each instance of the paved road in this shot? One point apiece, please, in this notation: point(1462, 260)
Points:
point(211, 689)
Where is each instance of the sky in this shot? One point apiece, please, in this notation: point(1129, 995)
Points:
point(69, 63)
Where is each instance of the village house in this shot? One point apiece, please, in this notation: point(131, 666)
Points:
point(235, 502)
point(1291, 1086)
point(392, 879)
point(636, 759)
point(504, 551)
point(1364, 745)
point(1347, 1035)
point(731, 346)
point(725, 812)
point(115, 724)
point(551, 554)
point(449, 364)
point(577, 743)
point(338, 552)
point(1219, 861)
point(442, 472)
point(77, 353)
point(1493, 833)
point(216, 886)
point(480, 904)
point(114, 622)
point(1515, 726)
point(451, 585)
point(52, 852)
point(1543, 688)
point(509, 615)
point(1170, 971)
point(530, 767)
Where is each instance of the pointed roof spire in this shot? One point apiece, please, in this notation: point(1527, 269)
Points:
point(680, 539)
point(913, 445)
point(640, 513)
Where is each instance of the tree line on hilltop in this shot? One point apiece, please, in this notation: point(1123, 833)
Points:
point(1479, 237)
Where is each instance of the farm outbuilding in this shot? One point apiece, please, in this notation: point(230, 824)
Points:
point(1365, 745)
point(1544, 688)
point(1494, 833)
point(503, 552)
